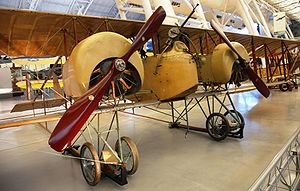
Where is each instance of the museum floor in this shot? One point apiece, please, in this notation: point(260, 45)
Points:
point(168, 160)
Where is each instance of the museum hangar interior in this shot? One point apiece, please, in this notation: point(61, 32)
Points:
point(149, 95)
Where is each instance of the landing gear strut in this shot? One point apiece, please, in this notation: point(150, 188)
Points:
point(106, 161)
point(222, 119)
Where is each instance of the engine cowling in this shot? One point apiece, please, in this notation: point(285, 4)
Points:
point(91, 55)
point(217, 67)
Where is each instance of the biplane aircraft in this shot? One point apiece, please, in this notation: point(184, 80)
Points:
point(105, 67)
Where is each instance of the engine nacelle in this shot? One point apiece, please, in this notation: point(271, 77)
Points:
point(217, 67)
point(92, 52)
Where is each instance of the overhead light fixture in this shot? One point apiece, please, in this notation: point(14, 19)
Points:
point(33, 59)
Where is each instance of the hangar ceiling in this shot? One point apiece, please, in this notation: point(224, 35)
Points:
point(84, 7)
point(109, 8)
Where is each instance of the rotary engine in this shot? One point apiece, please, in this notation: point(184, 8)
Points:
point(90, 60)
point(222, 66)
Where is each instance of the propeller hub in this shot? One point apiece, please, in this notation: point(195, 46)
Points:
point(120, 64)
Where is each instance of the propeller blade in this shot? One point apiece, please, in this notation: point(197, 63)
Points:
point(76, 116)
point(146, 32)
point(258, 83)
point(220, 32)
point(256, 80)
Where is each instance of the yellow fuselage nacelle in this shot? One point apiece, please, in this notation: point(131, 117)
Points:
point(217, 67)
point(172, 74)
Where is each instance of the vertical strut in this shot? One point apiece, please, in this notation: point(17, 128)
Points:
point(172, 107)
point(98, 136)
point(283, 61)
point(208, 104)
point(187, 119)
point(213, 103)
point(267, 64)
point(119, 136)
point(234, 109)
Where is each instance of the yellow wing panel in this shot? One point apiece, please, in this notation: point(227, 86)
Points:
point(37, 84)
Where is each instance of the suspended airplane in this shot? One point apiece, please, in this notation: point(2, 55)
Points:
point(94, 71)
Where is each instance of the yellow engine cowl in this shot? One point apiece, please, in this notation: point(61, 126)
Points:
point(217, 67)
point(89, 53)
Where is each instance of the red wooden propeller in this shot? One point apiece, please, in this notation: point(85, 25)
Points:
point(76, 116)
point(257, 81)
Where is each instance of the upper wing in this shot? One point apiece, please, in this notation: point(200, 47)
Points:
point(31, 33)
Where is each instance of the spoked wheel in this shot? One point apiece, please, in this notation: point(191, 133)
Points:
point(90, 166)
point(130, 154)
point(217, 126)
point(235, 126)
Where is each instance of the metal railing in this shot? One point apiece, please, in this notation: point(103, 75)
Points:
point(283, 171)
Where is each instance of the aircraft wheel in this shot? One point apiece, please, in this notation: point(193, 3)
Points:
point(90, 168)
point(130, 154)
point(284, 87)
point(294, 84)
point(217, 126)
point(235, 126)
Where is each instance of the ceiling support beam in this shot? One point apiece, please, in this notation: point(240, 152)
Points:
point(79, 7)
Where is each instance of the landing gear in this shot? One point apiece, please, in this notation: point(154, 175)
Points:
point(294, 84)
point(285, 84)
point(98, 158)
point(90, 164)
point(236, 122)
point(125, 162)
point(217, 126)
point(222, 118)
point(129, 154)
point(284, 87)
point(115, 167)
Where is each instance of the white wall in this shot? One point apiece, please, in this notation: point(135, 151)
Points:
point(5, 80)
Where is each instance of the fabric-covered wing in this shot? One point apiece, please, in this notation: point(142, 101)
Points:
point(32, 33)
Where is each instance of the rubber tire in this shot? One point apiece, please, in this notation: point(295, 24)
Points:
point(225, 128)
point(284, 87)
point(97, 165)
point(134, 153)
point(294, 84)
point(241, 118)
